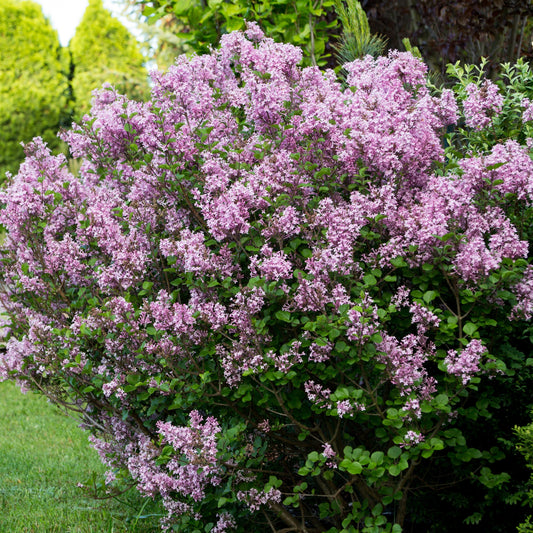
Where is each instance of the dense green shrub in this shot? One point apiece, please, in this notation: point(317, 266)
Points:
point(465, 30)
point(330, 32)
point(33, 81)
point(305, 23)
point(104, 51)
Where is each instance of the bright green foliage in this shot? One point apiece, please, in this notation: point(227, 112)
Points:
point(309, 24)
point(103, 51)
point(34, 85)
point(314, 26)
point(356, 41)
point(515, 85)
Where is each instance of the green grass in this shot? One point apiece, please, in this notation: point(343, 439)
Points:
point(43, 457)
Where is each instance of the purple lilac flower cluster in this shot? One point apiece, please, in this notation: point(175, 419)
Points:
point(482, 103)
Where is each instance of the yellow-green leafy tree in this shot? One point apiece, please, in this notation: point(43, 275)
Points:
point(34, 89)
point(104, 51)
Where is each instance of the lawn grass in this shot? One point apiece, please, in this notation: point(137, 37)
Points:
point(43, 457)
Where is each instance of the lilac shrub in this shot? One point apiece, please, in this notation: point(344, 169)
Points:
point(272, 296)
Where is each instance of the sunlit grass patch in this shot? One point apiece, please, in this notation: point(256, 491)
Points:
point(43, 457)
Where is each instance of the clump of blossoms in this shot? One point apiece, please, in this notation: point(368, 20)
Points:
point(481, 104)
point(268, 292)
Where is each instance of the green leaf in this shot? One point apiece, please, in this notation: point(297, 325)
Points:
point(429, 296)
point(333, 334)
point(441, 399)
point(370, 280)
point(342, 347)
point(222, 501)
point(495, 166)
point(284, 316)
point(469, 328)
point(436, 443)
point(355, 468)
point(133, 378)
point(352, 467)
point(377, 457)
point(394, 452)
point(398, 262)
point(392, 413)
point(234, 24)
point(394, 470)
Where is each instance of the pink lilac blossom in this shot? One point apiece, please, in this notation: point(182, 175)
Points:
point(175, 317)
point(214, 313)
point(508, 166)
point(228, 213)
point(17, 351)
point(317, 394)
point(190, 252)
point(286, 360)
point(285, 224)
point(240, 360)
point(255, 499)
point(412, 438)
point(389, 100)
point(225, 523)
point(113, 386)
point(482, 104)
point(320, 354)
point(466, 363)
point(309, 296)
point(527, 113)
point(412, 408)
point(264, 426)
point(423, 317)
point(274, 266)
point(343, 223)
point(344, 408)
point(484, 237)
point(363, 320)
point(401, 297)
point(524, 296)
point(193, 466)
point(339, 297)
point(405, 361)
point(198, 440)
point(328, 451)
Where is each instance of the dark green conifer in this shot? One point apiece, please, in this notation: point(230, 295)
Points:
point(103, 50)
point(34, 84)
